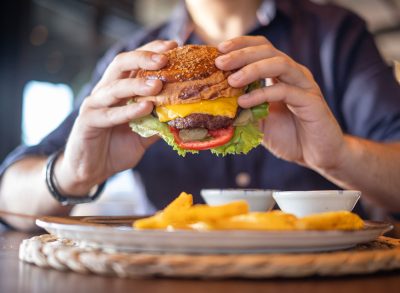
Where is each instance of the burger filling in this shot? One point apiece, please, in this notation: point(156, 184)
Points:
point(217, 124)
point(201, 125)
point(224, 106)
point(212, 138)
point(206, 130)
point(206, 124)
point(201, 121)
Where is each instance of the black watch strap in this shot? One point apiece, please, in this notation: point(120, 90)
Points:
point(63, 198)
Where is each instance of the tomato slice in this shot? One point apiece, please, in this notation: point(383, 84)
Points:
point(217, 137)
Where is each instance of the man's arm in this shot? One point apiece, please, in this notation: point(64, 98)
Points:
point(371, 167)
point(23, 190)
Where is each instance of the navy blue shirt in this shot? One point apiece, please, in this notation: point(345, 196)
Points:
point(331, 41)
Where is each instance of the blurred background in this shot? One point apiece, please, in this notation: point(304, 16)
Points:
point(49, 49)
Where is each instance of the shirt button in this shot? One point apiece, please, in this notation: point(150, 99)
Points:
point(243, 179)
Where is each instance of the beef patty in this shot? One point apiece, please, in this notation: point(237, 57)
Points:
point(201, 121)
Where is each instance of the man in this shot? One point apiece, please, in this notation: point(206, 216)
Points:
point(334, 116)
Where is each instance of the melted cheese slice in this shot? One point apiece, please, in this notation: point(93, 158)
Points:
point(226, 106)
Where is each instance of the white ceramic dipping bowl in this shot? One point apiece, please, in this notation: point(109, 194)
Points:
point(303, 203)
point(259, 200)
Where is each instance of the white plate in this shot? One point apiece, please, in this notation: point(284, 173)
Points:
point(113, 233)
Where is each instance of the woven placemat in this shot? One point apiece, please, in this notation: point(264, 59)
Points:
point(50, 252)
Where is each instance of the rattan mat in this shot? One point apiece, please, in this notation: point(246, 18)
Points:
point(50, 252)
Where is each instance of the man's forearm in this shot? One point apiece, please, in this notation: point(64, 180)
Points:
point(23, 190)
point(373, 168)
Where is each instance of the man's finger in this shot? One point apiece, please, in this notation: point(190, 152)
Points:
point(242, 42)
point(298, 100)
point(158, 46)
point(111, 117)
point(121, 89)
point(131, 61)
point(239, 58)
point(279, 67)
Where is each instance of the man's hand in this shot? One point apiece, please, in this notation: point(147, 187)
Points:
point(300, 127)
point(101, 142)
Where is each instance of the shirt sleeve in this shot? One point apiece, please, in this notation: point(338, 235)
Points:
point(370, 98)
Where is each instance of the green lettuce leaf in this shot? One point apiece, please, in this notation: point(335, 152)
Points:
point(150, 125)
point(260, 111)
point(254, 85)
point(245, 137)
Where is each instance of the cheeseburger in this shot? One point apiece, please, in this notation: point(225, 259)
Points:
point(197, 109)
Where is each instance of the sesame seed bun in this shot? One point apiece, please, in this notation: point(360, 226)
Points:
point(189, 77)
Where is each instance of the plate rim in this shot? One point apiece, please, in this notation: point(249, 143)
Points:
point(44, 222)
point(210, 242)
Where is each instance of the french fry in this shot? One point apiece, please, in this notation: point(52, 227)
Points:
point(275, 220)
point(205, 213)
point(158, 221)
point(183, 201)
point(153, 222)
point(182, 214)
point(340, 220)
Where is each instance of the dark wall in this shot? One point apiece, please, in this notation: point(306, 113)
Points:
point(14, 19)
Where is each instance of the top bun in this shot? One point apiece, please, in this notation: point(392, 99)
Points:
point(190, 76)
point(190, 62)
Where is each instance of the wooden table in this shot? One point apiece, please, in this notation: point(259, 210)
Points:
point(16, 276)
